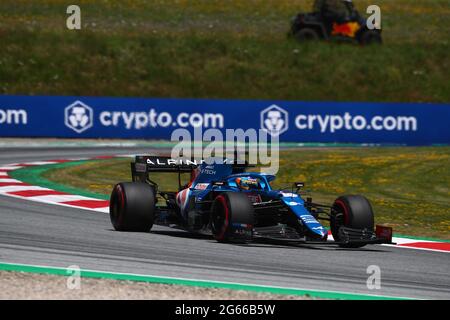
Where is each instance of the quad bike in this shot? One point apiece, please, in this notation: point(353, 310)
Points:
point(314, 26)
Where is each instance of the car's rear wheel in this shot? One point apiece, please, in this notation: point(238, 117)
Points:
point(232, 217)
point(353, 211)
point(306, 34)
point(132, 206)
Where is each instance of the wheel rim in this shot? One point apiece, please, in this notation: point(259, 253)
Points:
point(117, 205)
point(340, 218)
point(220, 219)
point(309, 36)
point(343, 209)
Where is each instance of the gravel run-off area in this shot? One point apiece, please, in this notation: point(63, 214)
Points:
point(24, 286)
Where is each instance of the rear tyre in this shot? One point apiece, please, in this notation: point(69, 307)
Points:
point(132, 207)
point(306, 35)
point(352, 211)
point(232, 217)
point(371, 37)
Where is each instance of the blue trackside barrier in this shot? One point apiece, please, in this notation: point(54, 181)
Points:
point(291, 121)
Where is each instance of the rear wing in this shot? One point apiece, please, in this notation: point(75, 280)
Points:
point(144, 165)
point(165, 164)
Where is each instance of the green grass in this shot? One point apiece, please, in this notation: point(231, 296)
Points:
point(219, 49)
point(408, 187)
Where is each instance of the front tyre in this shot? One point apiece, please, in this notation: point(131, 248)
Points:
point(232, 217)
point(353, 211)
point(132, 207)
point(370, 37)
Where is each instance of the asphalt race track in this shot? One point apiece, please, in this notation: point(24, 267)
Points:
point(47, 235)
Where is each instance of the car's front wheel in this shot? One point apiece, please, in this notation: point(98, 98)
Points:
point(132, 206)
point(354, 212)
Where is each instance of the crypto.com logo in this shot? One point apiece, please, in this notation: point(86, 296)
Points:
point(274, 120)
point(78, 117)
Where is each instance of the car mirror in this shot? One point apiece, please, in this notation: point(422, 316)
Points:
point(299, 185)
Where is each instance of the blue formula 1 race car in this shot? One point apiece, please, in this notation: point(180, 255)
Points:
point(224, 200)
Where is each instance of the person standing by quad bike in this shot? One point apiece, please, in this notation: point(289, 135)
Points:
point(333, 19)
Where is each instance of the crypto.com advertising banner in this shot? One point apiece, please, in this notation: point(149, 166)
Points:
point(291, 121)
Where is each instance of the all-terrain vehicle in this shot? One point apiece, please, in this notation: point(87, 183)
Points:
point(315, 26)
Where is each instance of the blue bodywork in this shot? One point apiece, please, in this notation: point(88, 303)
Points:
point(207, 180)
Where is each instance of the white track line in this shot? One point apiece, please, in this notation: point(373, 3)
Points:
point(9, 180)
point(56, 199)
point(5, 190)
point(10, 168)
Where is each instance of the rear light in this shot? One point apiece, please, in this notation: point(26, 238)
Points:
point(383, 232)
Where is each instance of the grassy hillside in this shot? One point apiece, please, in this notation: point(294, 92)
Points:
point(408, 187)
point(219, 49)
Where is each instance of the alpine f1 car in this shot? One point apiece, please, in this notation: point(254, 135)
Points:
point(224, 200)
